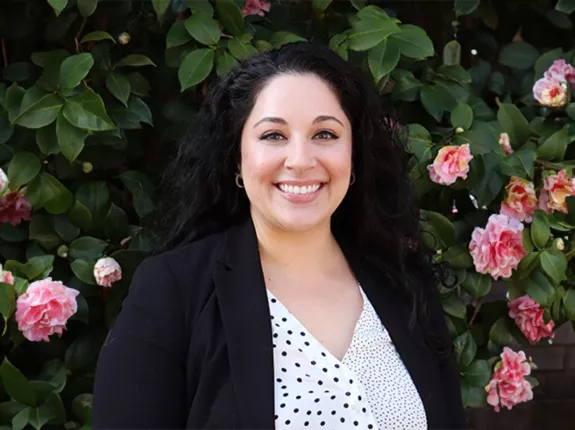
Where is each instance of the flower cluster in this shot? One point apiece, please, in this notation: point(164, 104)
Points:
point(552, 90)
point(528, 316)
point(256, 7)
point(107, 271)
point(508, 385)
point(451, 162)
point(14, 207)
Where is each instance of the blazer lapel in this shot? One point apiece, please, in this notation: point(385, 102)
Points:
point(241, 292)
point(393, 310)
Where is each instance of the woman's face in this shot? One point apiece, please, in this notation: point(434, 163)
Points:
point(296, 154)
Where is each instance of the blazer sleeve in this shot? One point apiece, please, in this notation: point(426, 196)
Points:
point(140, 377)
point(448, 369)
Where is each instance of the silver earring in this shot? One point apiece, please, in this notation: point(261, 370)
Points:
point(238, 179)
point(352, 179)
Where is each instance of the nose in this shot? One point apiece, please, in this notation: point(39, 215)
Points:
point(300, 155)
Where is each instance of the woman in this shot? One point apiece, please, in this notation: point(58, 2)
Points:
point(291, 289)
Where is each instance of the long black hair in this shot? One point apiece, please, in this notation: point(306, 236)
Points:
point(379, 216)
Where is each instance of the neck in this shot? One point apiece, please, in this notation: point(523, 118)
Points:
point(302, 251)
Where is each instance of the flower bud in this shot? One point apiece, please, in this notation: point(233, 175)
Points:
point(559, 244)
point(87, 167)
point(459, 130)
point(124, 38)
point(62, 251)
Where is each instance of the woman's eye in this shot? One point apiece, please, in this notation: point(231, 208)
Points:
point(272, 136)
point(326, 135)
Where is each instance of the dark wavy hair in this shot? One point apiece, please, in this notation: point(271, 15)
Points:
point(378, 218)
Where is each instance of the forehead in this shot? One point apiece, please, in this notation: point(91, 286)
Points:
point(295, 97)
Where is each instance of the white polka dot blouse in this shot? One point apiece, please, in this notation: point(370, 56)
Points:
point(370, 388)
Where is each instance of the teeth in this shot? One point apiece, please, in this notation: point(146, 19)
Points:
point(296, 189)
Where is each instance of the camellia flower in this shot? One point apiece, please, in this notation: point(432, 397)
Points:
point(508, 385)
point(451, 162)
point(505, 143)
point(497, 249)
point(44, 309)
point(3, 183)
point(562, 72)
point(107, 271)
point(556, 188)
point(528, 316)
point(256, 7)
point(520, 200)
point(6, 276)
point(550, 92)
point(14, 208)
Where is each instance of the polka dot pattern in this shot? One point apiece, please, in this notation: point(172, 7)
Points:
point(369, 389)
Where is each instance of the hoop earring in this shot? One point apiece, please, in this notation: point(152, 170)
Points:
point(352, 179)
point(238, 179)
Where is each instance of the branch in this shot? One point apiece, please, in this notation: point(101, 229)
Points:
point(4, 54)
point(475, 312)
point(78, 34)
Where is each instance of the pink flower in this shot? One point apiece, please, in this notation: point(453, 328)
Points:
point(3, 183)
point(451, 162)
point(497, 249)
point(256, 7)
point(505, 143)
point(508, 385)
point(556, 188)
point(528, 316)
point(14, 208)
point(44, 309)
point(550, 92)
point(520, 201)
point(6, 276)
point(107, 271)
point(562, 72)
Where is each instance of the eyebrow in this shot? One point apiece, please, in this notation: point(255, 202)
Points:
point(278, 120)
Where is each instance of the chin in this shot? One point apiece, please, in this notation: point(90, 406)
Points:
point(300, 224)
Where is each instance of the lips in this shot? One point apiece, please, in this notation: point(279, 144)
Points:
point(299, 189)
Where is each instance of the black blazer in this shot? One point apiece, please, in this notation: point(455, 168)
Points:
point(192, 346)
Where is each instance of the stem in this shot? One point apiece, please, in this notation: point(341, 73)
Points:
point(4, 54)
point(78, 34)
point(475, 312)
point(548, 164)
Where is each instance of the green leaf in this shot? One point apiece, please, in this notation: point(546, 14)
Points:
point(520, 163)
point(569, 302)
point(539, 289)
point(16, 385)
point(462, 116)
point(74, 69)
point(477, 285)
point(82, 407)
point(540, 230)
point(504, 332)
point(135, 60)
point(241, 50)
point(80, 216)
point(97, 36)
point(55, 197)
point(478, 373)
point(70, 138)
point(119, 86)
point(452, 53)
point(555, 265)
point(371, 31)
point(518, 55)
point(139, 85)
point(473, 397)
point(440, 226)
point(454, 73)
point(47, 140)
point(225, 62)
point(454, 306)
point(13, 100)
point(38, 267)
point(117, 225)
point(41, 113)
point(383, 58)
point(87, 7)
point(140, 110)
point(87, 248)
point(160, 7)
point(7, 301)
point(195, 68)
point(319, 6)
point(55, 406)
point(458, 257)
point(142, 191)
point(436, 100)
point(58, 5)
point(566, 6)
point(230, 15)
point(280, 38)
point(465, 7)
point(65, 229)
point(82, 352)
point(413, 42)
point(84, 271)
point(95, 196)
point(178, 35)
point(514, 123)
point(20, 420)
point(42, 231)
point(554, 147)
point(204, 29)
point(465, 349)
point(87, 111)
point(24, 167)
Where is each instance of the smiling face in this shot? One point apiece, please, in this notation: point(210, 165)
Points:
point(296, 148)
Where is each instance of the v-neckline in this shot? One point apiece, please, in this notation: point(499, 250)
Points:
point(315, 340)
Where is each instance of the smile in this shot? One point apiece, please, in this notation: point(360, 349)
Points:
point(299, 190)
